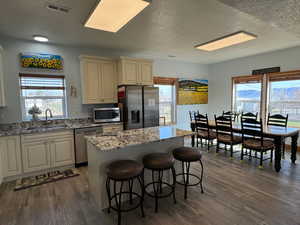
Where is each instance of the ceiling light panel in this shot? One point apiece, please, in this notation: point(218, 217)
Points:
point(226, 41)
point(112, 15)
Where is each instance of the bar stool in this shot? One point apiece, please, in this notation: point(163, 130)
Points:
point(124, 171)
point(187, 155)
point(158, 163)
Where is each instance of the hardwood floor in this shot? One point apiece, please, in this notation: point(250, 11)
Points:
point(235, 194)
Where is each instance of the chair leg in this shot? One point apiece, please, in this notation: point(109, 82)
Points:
point(271, 156)
point(231, 151)
point(283, 149)
point(208, 145)
point(242, 153)
point(218, 146)
point(201, 142)
point(197, 141)
point(261, 160)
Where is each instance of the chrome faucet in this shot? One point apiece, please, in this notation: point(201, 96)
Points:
point(46, 114)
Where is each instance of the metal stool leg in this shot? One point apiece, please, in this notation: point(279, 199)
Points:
point(174, 183)
point(201, 179)
point(130, 185)
point(141, 181)
point(187, 179)
point(155, 191)
point(108, 194)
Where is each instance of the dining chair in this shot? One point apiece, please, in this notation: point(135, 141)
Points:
point(279, 121)
point(225, 134)
point(249, 115)
point(230, 114)
point(203, 130)
point(253, 139)
point(192, 115)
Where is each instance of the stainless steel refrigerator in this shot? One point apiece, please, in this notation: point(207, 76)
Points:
point(139, 106)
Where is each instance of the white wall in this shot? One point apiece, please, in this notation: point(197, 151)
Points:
point(220, 74)
point(13, 48)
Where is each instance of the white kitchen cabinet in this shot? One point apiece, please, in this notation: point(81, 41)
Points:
point(62, 151)
point(98, 80)
point(47, 150)
point(36, 156)
point(134, 71)
point(2, 94)
point(10, 156)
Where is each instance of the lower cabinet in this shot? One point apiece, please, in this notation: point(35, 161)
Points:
point(36, 156)
point(10, 155)
point(48, 150)
point(62, 152)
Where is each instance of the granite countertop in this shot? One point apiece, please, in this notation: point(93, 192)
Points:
point(55, 125)
point(136, 137)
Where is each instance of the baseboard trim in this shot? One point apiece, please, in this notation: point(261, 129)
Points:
point(12, 178)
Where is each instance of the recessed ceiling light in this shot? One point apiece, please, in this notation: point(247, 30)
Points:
point(228, 40)
point(112, 15)
point(40, 38)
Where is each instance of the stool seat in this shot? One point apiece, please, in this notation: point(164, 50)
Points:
point(124, 169)
point(187, 154)
point(158, 161)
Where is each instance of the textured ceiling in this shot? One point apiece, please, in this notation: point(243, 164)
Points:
point(284, 14)
point(166, 27)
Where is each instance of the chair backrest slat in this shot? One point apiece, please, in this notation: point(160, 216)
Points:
point(277, 120)
point(201, 122)
point(249, 115)
point(224, 126)
point(251, 128)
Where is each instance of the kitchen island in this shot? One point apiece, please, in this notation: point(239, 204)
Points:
point(129, 144)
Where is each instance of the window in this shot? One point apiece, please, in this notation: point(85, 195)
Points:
point(44, 91)
point(284, 97)
point(247, 94)
point(275, 93)
point(167, 99)
point(166, 103)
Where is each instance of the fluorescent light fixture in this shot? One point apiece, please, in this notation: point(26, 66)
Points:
point(40, 38)
point(226, 41)
point(112, 15)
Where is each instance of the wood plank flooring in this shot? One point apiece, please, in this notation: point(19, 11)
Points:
point(235, 194)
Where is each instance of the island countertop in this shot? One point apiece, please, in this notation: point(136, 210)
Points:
point(136, 137)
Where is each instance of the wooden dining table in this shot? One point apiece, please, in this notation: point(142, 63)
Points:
point(278, 134)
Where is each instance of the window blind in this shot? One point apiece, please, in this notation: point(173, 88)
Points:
point(42, 82)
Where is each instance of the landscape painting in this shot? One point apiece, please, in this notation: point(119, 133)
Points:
point(41, 61)
point(192, 91)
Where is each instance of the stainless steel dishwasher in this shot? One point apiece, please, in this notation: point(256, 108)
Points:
point(80, 143)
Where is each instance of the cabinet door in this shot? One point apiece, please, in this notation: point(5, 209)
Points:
point(109, 82)
point(10, 156)
point(146, 77)
point(36, 156)
point(62, 152)
point(91, 80)
point(2, 95)
point(130, 72)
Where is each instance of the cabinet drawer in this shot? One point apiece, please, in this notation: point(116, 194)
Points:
point(47, 136)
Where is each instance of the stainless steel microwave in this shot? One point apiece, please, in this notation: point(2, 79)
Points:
point(104, 115)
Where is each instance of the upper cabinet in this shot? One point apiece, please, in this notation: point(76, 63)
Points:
point(135, 71)
point(2, 96)
point(98, 80)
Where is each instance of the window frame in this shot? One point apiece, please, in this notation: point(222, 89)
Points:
point(172, 82)
point(23, 98)
point(265, 80)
